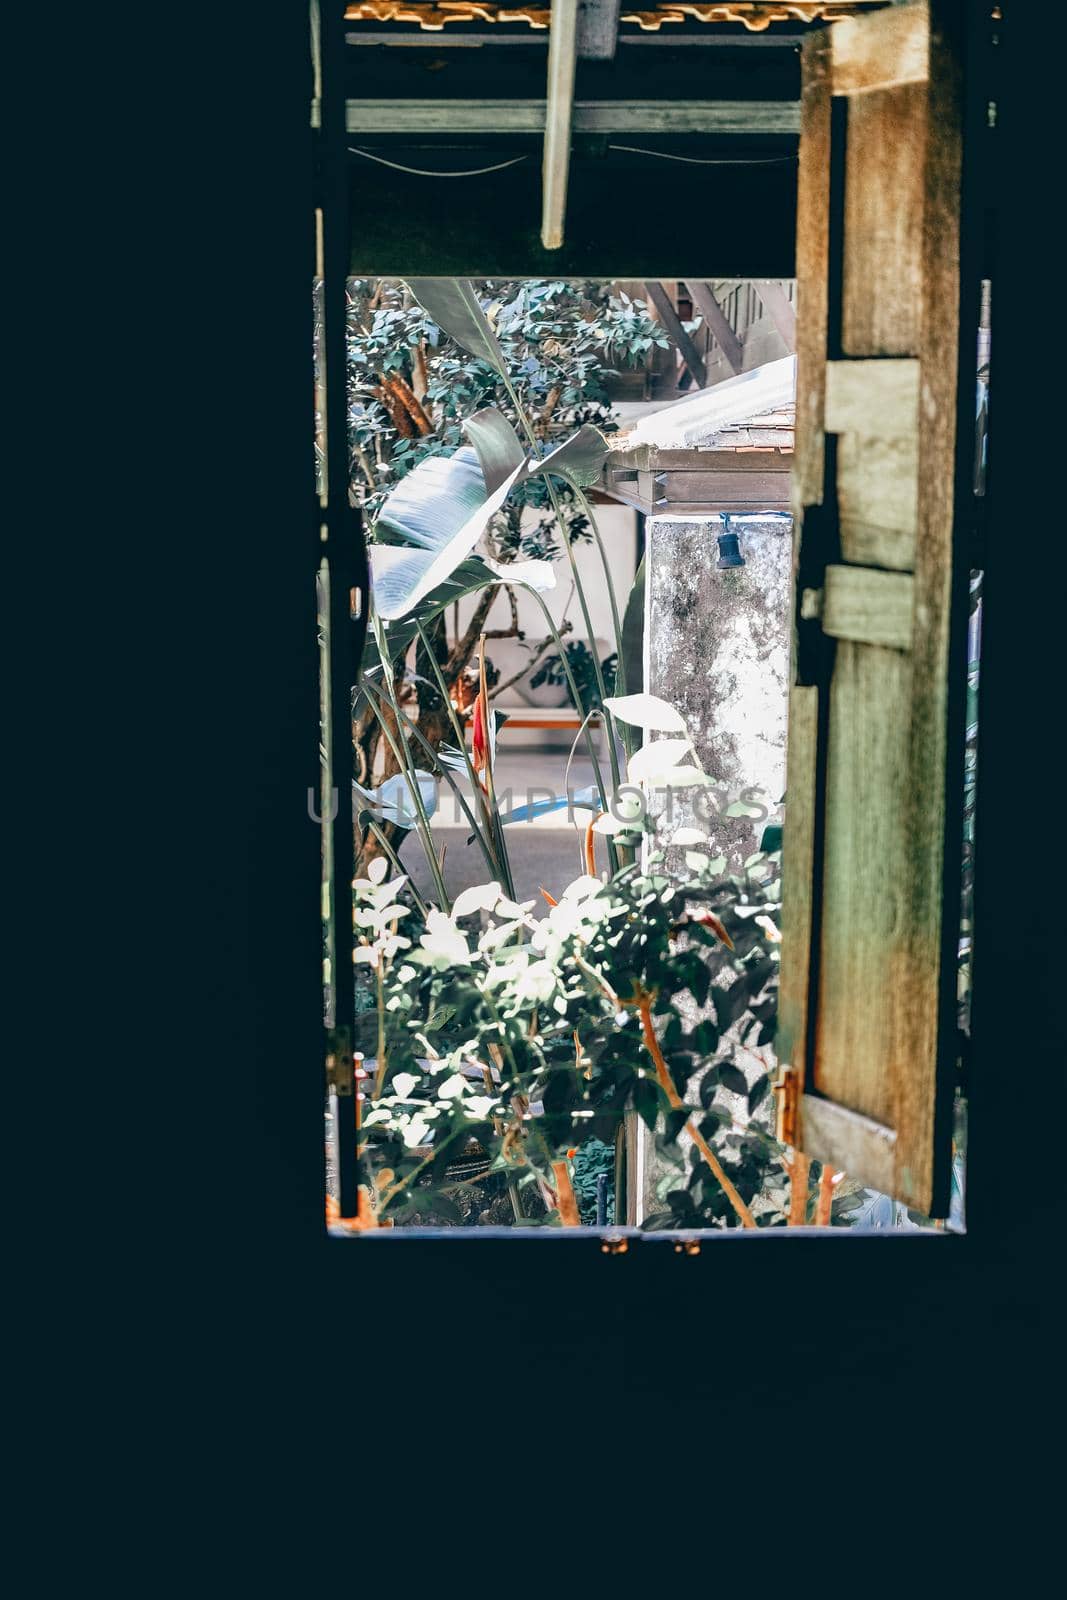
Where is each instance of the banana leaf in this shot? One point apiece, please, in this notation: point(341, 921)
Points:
point(428, 526)
point(580, 458)
point(454, 306)
point(632, 663)
point(469, 577)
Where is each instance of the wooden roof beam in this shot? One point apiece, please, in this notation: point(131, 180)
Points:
point(562, 53)
point(669, 318)
point(777, 305)
point(598, 29)
point(436, 116)
point(715, 317)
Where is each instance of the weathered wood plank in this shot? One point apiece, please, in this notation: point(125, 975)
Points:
point(802, 740)
point(879, 51)
point(669, 318)
point(589, 116)
point(876, 399)
point(704, 299)
point(598, 29)
point(883, 1040)
point(798, 869)
point(882, 274)
point(562, 58)
point(849, 1142)
point(651, 457)
point(877, 499)
point(925, 967)
point(868, 607)
point(766, 491)
point(779, 308)
point(812, 266)
point(864, 912)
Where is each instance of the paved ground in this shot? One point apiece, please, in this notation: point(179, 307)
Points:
point(546, 851)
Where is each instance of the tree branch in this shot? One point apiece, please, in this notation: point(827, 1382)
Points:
point(464, 648)
point(565, 627)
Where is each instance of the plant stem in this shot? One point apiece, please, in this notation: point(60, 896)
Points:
point(490, 753)
point(620, 671)
point(496, 867)
point(379, 1075)
point(566, 1203)
point(397, 863)
point(406, 765)
point(666, 1083)
point(576, 697)
point(798, 1189)
point(565, 538)
point(456, 790)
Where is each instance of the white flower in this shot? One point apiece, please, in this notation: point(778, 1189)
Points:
point(403, 1084)
point(581, 888)
point(453, 1086)
point(626, 811)
point(415, 1133)
point(684, 777)
point(444, 942)
point(377, 869)
point(508, 908)
point(646, 711)
point(492, 937)
point(479, 1105)
point(537, 983)
point(483, 897)
point(656, 758)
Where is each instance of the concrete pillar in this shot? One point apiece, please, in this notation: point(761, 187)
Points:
point(717, 648)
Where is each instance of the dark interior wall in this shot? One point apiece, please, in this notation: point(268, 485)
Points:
point(627, 217)
point(898, 1375)
point(725, 209)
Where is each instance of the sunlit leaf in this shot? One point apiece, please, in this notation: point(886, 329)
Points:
point(454, 306)
point(646, 711)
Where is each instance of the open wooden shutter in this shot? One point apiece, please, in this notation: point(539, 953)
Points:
point(871, 849)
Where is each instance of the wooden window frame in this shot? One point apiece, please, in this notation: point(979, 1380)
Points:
point(882, 1269)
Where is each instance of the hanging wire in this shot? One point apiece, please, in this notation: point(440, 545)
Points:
point(707, 161)
point(420, 172)
point(663, 155)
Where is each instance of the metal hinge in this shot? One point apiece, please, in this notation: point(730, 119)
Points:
point(787, 1093)
point(339, 1075)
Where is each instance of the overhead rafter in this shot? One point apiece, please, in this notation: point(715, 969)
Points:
point(704, 300)
point(777, 305)
point(669, 318)
point(587, 116)
point(598, 29)
point(562, 54)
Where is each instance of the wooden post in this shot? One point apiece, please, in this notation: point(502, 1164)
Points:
point(562, 50)
point(715, 317)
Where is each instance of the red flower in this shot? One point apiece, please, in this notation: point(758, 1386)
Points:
point(480, 740)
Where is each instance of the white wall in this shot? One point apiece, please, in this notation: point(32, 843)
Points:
point(618, 530)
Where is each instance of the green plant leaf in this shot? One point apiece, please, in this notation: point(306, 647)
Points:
point(500, 451)
point(580, 458)
point(454, 306)
point(733, 1078)
point(632, 662)
point(432, 520)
